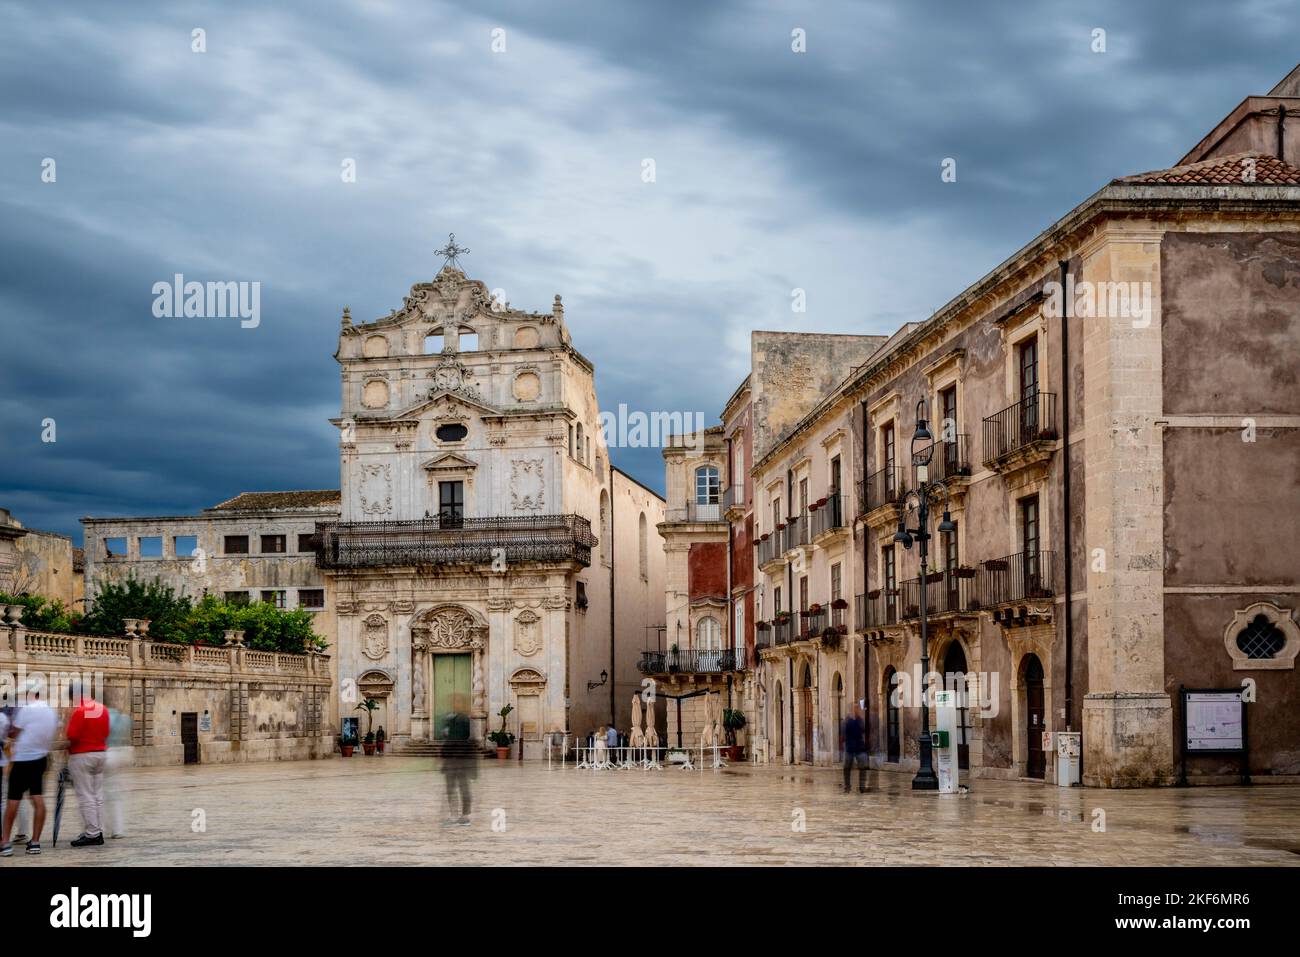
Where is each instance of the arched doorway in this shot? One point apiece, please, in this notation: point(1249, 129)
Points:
point(954, 678)
point(837, 712)
point(806, 693)
point(1036, 763)
point(778, 720)
point(893, 719)
point(447, 645)
point(377, 686)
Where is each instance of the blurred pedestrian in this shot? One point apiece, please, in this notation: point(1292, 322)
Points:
point(459, 768)
point(33, 733)
point(119, 757)
point(855, 749)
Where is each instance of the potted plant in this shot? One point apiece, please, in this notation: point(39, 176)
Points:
point(830, 638)
point(368, 706)
point(1047, 435)
point(814, 608)
point(673, 664)
point(873, 594)
point(501, 737)
point(347, 744)
point(932, 577)
point(996, 564)
point(839, 604)
point(733, 720)
point(782, 617)
point(762, 626)
point(963, 571)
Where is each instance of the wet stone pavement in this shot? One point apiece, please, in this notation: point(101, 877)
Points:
point(391, 810)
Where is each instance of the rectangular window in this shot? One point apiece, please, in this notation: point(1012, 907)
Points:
point(451, 504)
point(115, 548)
point(237, 597)
point(803, 496)
point(888, 450)
point(236, 545)
point(835, 582)
point(948, 429)
point(950, 547)
point(276, 598)
point(776, 600)
point(306, 542)
point(890, 583)
point(273, 544)
point(184, 546)
point(835, 475)
point(1029, 527)
point(581, 596)
point(151, 546)
point(803, 593)
point(312, 599)
point(776, 513)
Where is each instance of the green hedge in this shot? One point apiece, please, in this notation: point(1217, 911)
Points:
point(175, 618)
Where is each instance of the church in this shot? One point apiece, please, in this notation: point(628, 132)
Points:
point(486, 552)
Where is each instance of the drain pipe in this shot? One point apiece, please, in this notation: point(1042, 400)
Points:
point(789, 584)
point(866, 571)
point(613, 562)
point(1065, 494)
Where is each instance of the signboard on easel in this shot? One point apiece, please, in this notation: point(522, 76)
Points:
point(1214, 722)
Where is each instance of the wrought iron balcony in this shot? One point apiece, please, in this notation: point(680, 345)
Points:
point(1028, 425)
point(459, 541)
point(695, 512)
point(877, 608)
point(883, 488)
point(762, 638)
point(797, 531)
point(1024, 576)
point(812, 623)
point(772, 547)
point(951, 459)
point(948, 592)
point(830, 516)
point(783, 631)
point(733, 498)
point(693, 661)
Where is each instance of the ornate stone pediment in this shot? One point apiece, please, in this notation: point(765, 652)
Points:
point(527, 676)
point(374, 641)
point(449, 629)
point(449, 462)
point(528, 639)
point(376, 489)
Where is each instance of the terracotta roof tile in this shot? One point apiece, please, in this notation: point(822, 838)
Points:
point(263, 501)
point(1225, 171)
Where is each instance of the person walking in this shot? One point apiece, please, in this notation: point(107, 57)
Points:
point(855, 749)
point(87, 749)
point(33, 732)
point(459, 767)
point(117, 758)
point(22, 824)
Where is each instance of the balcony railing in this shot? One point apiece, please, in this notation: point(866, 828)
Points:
point(771, 548)
point(830, 516)
point(812, 623)
point(783, 631)
point(695, 512)
point(733, 497)
point(951, 459)
point(762, 638)
point(838, 616)
point(796, 531)
point(1032, 419)
point(1020, 577)
point(878, 608)
point(460, 541)
point(883, 487)
point(693, 661)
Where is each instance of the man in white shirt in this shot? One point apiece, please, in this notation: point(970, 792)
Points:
point(34, 727)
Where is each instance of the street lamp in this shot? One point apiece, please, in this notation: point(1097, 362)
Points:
point(919, 498)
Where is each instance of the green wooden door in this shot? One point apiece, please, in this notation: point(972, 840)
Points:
point(450, 696)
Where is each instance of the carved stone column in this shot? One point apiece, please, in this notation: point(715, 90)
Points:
point(420, 729)
point(478, 696)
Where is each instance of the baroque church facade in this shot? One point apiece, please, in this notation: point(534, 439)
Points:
point(486, 553)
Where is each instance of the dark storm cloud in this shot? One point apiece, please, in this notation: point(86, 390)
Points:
point(775, 171)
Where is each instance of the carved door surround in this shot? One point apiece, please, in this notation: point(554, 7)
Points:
point(446, 629)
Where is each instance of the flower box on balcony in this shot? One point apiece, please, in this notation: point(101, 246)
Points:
point(814, 506)
point(782, 617)
point(933, 577)
point(814, 609)
point(874, 593)
point(781, 527)
point(763, 626)
point(891, 592)
point(1047, 435)
point(839, 604)
point(996, 565)
point(912, 612)
point(765, 537)
point(964, 571)
point(1038, 591)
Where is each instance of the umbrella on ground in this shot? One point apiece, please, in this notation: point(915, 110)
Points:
point(64, 778)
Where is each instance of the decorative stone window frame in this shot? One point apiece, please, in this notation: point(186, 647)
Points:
point(886, 409)
point(1023, 325)
point(948, 370)
point(449, 467)
point(1281, 619)
point(521, 371)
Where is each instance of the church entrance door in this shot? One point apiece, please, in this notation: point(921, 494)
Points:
point(451, 689)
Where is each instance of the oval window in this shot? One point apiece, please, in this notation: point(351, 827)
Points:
point(452, 433)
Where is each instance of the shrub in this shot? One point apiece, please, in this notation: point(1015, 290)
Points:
point(43, 614)
point(167, 612)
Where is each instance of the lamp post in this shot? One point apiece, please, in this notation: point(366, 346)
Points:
point(919, 498)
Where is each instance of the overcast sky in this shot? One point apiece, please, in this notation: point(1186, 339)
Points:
point(773, 170)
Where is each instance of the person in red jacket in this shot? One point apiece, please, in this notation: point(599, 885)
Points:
point(87, 754)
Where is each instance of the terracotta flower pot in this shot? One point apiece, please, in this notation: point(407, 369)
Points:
point(503, 754)
point(347, 750)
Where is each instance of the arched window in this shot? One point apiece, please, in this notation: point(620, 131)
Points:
point(707, 486)
point(604, 525)
point(643, 534)
point(433, 342)
point(708, 635)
